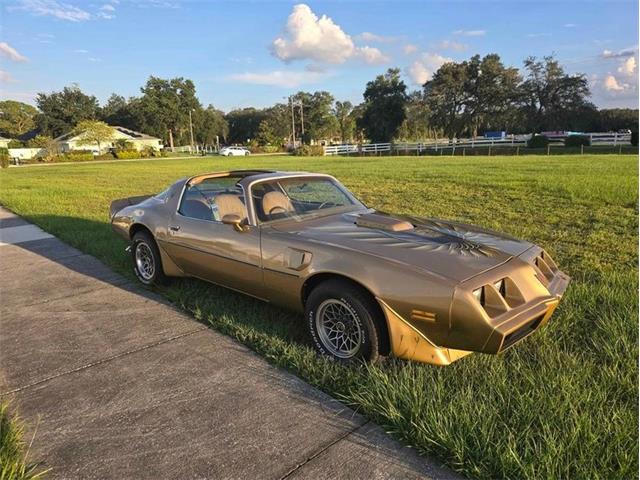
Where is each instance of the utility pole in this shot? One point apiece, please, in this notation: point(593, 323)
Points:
point(191, 129)
point(293, 123)
point(302, 121)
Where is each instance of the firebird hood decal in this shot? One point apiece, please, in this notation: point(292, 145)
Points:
point(451, 249)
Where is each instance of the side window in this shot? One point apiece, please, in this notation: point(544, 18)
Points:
point(212, 198)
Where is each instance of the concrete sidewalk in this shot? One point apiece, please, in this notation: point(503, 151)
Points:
point(116, 383)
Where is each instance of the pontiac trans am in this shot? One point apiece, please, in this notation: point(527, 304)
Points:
point(369, 283)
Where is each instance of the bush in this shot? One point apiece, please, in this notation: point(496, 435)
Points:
point(634, 139)
point(309, 151)
point(4, 157)
point(127, 154)
point(538, 141)
point(149, 151)
point(15, 144)
point(105, 156)
point(76, 156)
point(577, 141)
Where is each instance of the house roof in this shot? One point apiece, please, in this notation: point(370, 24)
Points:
point(126, 131)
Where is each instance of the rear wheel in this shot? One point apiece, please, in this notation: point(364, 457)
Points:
point(343, 322)
point(147, 263)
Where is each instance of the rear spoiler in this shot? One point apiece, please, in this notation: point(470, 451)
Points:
point(121, 203)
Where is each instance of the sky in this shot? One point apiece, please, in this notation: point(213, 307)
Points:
point(255, 53)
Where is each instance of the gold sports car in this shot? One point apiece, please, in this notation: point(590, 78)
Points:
point(369, 283)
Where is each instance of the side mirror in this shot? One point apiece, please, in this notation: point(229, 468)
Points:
point(234, 220)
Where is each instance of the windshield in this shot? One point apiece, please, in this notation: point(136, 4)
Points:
point(295, 197)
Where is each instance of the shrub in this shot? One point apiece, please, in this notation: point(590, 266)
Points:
point(634, 139)
point(127, 154)
point(105, 156)
point(309, 151)
point(15, 144)
point(538, 141)
point(149, 151)
point(77, 156)
point(123, 144)
point(577, 141)
point(4, 157)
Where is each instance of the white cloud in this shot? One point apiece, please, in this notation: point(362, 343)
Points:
point(107, 7)
point(93, 59)
point(470, 33)
point(451, 45)
point(423, 69)
point(309, 37)
point(279, 78)
point(409, 48)
point(372, 37)
point(106, 16)
point(319, 39)
point(8, 51)
point(628, 67)
point(570, 25)
point(625, 52)
point(5, 77)
point(611, 84)
point(81, 50)
point(54, 8)
point(372, 55)
point(538, 35)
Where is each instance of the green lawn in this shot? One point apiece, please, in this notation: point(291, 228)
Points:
point(562, 404)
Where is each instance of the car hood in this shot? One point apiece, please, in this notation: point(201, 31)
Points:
point(450, 249)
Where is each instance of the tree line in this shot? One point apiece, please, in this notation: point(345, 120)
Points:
point(461, 99)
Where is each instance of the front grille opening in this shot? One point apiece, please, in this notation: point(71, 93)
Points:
point(522, 332)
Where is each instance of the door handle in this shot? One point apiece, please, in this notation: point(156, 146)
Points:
point(174, 229)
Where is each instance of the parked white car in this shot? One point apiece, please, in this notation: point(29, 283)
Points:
point(234, 151)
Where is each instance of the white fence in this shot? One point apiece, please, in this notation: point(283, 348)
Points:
point(603, 139)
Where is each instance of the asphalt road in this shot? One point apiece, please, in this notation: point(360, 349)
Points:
point(116, 383)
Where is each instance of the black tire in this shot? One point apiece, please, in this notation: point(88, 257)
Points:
point(360, 312)
point(145, 242)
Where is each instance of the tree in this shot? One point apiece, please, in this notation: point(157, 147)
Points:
point(346, 124)
point(384, 106)
point(275, 128)
point(467, 97)
point(319, 122)
point(165, 105)
point(209, 124)
point(552, 98)
point(244, 124)
point(93, 131)
point(446, 97)
point(122, 112)
point(16, 118)
point(61, 111)
point(614, 119)
point(47, 144)
point(416, 125)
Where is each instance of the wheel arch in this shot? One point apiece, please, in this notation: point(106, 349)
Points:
point(139, 227)
point(169, 267)
point(317, 278)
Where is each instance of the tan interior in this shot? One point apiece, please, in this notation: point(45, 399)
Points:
point(228, 204)
point(276, 202)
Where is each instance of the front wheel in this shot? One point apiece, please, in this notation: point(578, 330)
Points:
point(343, 322)
point(147, 263)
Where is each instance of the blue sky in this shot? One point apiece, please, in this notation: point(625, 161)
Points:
point(255, 53)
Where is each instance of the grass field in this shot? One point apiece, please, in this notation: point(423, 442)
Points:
point(562, 404)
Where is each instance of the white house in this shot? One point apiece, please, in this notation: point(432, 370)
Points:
point(69, 141)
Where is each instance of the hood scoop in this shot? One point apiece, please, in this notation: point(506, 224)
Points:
point(382, 222)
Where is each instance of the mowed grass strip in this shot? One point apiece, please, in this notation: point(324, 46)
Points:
point(561, 404)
